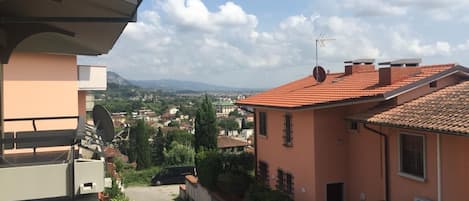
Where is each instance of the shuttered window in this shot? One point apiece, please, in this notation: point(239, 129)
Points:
point(412, 155)
point(287, 130)
point(263, 123)
point(263, 175)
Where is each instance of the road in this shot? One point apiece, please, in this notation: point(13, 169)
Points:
point(152, 193)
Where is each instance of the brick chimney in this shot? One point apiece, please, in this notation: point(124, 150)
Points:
point(398, 70)
point(359, 66)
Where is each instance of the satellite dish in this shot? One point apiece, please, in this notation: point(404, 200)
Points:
point(103, 122)
point(319, 73)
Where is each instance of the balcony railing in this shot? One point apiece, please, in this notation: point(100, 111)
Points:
point(65, 173)
point(92, 78)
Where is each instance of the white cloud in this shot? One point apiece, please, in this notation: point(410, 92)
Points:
point(374, 7)
point(435, 9)
point(194, 14)
point(183, 39)
point(405, 45)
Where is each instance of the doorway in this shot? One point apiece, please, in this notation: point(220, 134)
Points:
point(335, 192)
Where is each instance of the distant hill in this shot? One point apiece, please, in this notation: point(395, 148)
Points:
point(114, 78)
point(178, 85)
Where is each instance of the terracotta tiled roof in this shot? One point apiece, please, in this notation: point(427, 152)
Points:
point(445, 111)
point(225, 142)
point(337, 87)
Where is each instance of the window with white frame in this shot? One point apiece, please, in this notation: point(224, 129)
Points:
point(412, 155)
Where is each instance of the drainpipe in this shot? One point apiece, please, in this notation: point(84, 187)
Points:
point(255, 137)
point(386, 159)
point(438, 161)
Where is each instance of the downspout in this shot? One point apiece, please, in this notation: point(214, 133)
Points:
point(386, 159)
point(255, 144)
point(438, 161)
point(255, 137)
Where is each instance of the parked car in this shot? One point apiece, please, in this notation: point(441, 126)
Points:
point(172, 175)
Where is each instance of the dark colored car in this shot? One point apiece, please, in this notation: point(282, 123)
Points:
point(172, 175)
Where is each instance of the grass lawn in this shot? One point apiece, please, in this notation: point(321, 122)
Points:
point(133, 177)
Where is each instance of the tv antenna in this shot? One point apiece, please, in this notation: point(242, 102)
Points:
point(319, 73)
point(322, 42)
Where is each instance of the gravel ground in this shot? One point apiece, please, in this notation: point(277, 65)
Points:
point(152, 193)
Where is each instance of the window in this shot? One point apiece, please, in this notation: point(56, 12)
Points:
point(289, 189)
point(284, 182)
point(353, 125)
point(287, 130)
point(263, 175)
point(412, 155)
point(262, 123)
point(433, 84)
point(280, 180)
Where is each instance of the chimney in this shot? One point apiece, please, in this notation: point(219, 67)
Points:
point(398, 70)
point(359, 66)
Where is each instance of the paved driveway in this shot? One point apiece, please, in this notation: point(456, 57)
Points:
point(153, 193)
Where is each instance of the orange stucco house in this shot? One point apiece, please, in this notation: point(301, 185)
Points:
point(398, 132)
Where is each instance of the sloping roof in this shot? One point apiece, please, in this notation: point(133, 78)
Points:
point(226, 142)
point(444, 111)
point(339, 88)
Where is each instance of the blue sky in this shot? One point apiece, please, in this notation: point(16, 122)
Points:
point(262, 43)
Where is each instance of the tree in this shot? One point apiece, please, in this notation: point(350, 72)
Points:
point(132, 146)
point(159, 142)
point(205, 126)
point(174, 124)
point(180, 136)
point(179, 154)
point(143, 155)
point(235, 114)
point(228, 124)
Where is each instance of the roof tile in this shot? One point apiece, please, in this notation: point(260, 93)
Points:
point(336, 87)
point(446, 111)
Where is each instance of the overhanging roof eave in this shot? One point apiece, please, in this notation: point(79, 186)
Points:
point(330, 104)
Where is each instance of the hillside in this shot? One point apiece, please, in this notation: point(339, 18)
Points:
point(178, 85)
point(168, 85)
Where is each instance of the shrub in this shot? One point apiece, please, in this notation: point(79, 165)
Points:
point(132, 177)
point(179, 154)
point(209, 166)
point(232, 183)
point(259, 192)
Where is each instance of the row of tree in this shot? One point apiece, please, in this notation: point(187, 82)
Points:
point(175, 147)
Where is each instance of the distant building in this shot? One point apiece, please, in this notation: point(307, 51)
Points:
point(173, 110)
point(232, 145)
point(224, 107)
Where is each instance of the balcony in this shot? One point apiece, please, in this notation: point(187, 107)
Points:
point(64, 164)
point(92, 78)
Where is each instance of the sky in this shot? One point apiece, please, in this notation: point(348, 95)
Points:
point(266, 43)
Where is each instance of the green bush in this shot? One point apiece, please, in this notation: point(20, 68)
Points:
point(209, 166)
point(133, 177)
point(114, 191)
point(259, 192)
point(120, 197)
point(229, 173)
point(179, 154)
point(232, 183)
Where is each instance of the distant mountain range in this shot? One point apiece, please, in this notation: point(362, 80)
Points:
point(172, 85)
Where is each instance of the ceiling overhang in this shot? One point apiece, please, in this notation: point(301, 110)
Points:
point(82, 27)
